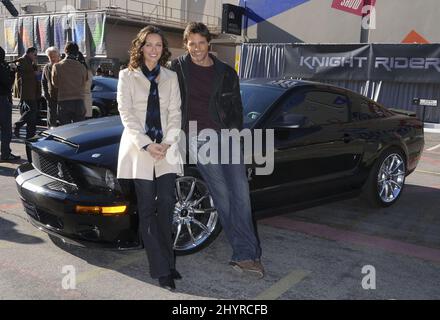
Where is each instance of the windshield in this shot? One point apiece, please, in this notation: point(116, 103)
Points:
point(256, 99)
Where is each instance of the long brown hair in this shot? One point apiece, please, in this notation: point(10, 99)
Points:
point(136, 54)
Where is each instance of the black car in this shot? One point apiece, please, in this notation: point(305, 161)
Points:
point(104, 103)
point(330, 143)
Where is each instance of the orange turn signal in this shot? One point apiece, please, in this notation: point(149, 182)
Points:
point(105, 211)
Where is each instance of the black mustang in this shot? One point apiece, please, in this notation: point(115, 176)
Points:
point(329, 143)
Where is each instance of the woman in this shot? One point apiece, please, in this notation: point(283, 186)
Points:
point(149, 106)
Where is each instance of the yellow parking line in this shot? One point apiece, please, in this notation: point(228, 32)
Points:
point(429, 172)
point(118, 264)
point(282, 286)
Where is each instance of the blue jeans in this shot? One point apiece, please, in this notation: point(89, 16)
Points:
point(229, 188)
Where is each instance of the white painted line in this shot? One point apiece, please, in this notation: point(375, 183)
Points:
point(282, 286)
point(429, 172)
point(433, 148)
point(431, 130)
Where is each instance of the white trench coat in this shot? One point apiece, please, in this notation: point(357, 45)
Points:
point(133, 89)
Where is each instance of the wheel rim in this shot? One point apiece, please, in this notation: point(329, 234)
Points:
point(391, 178)
point(195, 216)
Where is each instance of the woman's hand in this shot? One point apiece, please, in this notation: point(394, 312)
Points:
point(156, 150)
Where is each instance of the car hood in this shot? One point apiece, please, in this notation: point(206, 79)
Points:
point(94, 141)
point(90, 134)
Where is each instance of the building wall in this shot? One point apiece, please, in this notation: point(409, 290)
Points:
point(315, 21)
point(396, 19)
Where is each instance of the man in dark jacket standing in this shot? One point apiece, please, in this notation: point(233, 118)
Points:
point(50, 92)
point(210, 93)
point(28, 87)
point(6, 81)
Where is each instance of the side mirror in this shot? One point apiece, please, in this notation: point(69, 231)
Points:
point(291, 121)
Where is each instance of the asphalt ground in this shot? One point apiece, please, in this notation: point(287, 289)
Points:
point(342, 250)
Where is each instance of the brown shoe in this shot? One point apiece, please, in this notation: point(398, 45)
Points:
point(249, 266)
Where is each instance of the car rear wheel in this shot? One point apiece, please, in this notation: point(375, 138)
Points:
point(195, 220)
point(97, 112)
point(386, 180)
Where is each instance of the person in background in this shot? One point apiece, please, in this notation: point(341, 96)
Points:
point(151, 132)
point(88, 103)
point(49, 91)
point(69, 76)
point(99, 72)
point(6, 82)
point(29, 90)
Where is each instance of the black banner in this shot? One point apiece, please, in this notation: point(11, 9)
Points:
point(414, 63)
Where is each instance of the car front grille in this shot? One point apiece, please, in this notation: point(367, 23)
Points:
point(51, 166)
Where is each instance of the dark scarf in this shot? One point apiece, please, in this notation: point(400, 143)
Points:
point(153, 127)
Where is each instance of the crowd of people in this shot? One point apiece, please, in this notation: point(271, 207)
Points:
point(65, 82)
point(156, 104)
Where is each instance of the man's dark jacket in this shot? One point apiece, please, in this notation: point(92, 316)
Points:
point(225, 106)
point(6, 79)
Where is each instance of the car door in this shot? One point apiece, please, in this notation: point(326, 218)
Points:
point(316, 154)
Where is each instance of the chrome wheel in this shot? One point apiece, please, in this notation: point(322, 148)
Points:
point(195, 218)
point(391, 178)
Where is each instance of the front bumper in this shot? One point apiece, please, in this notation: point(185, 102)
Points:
point(50, 206)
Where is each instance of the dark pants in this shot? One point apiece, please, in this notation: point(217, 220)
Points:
point(156, 227)
point(229, 188)
point(28, 111)
point(52, 113)
point(6, 125)
point(71, 111)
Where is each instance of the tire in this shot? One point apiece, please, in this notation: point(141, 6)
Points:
point(386, 179)
point(195, 220)
point(97, 112)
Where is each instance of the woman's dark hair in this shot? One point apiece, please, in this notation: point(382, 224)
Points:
point(196, 27)
point(82, 60)
point(136, 54)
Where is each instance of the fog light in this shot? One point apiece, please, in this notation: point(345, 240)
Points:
point(105, 211)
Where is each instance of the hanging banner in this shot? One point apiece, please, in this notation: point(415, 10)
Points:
point(335, 61)
point(26, 33)
point(96, 29)
point(62, 31)
point(11, 36)
point(42, 33)
point(353, 6)
point(418, 63)
point(78, 22)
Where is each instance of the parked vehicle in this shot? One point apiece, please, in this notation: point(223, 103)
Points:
point(330, 143)
point(103, 99)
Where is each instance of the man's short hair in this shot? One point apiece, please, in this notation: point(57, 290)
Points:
point(196, 27)
point(31, 50)
point(71, 48)
point(52, 49)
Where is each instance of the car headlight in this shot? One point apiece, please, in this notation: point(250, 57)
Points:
point(99, 177)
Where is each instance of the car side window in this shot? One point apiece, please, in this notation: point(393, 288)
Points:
point(368, 110)
point(318, 107)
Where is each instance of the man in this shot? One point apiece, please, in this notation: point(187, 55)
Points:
point(28, 88)
point(69, 77)
point(6, 81)
point(210, 94)
point(49, 91)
